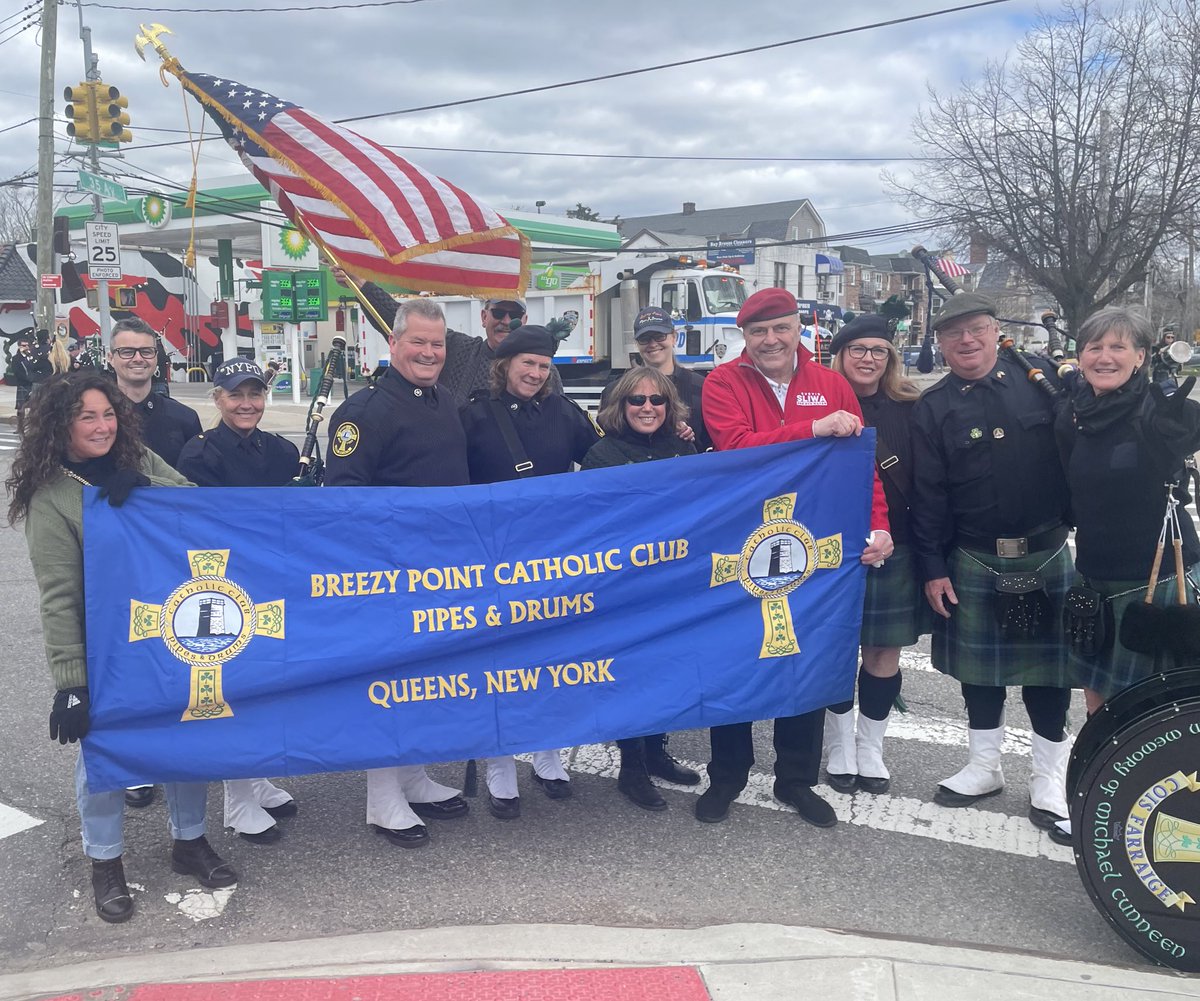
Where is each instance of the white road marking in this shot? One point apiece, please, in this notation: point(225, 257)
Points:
point(897, 814)
point(200, 905)
point(13, 821)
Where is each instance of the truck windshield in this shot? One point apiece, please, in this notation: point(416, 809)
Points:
point(724, 293)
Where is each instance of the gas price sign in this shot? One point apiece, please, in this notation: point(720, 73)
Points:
point(294, 296)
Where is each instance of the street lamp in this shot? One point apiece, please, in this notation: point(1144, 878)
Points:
point(539, 205)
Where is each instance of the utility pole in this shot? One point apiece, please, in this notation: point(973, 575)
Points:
point(45, 173)
point(92, 72)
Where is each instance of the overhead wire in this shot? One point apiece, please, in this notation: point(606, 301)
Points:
point(255, 10)
point(821, 36)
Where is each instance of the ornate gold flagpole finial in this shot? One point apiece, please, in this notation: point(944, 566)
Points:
point(149, 36)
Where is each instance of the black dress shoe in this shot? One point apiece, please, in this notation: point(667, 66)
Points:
point(267, 837)
point(113, 901)
point(195, 857)
point(842, 783)
point(288, 809)
point(713, 805)
point(875, 786)
point(554, 788)
point(1060, 837)
point(661, 765)
point(139, 797)
point(446, 809)
point(504, 809)
point(808, 804)
point(406, 837)
point(634, 784)
point(1043, 819)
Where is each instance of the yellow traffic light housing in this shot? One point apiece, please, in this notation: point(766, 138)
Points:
point(110, 111)
point(81, 112)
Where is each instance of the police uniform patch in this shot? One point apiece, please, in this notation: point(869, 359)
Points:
point(345, 439)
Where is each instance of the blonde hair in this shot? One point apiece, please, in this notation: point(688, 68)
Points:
point(892, 382)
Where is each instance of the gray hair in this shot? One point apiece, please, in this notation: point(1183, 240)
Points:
point(135, 324)
point(426, 308)
point(1123, 322)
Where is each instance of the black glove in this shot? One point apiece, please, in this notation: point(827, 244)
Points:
point(120, 485)
point(69, 718)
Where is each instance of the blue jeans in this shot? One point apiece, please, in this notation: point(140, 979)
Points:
point(102, 814)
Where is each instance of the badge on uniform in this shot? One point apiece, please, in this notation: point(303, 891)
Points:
point(976, 433)
point(997, 433)
point(345, 439)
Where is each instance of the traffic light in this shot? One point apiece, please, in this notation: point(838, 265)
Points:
point(126, 298)
point(111, 115)
point(81, 112)
point(62, 235)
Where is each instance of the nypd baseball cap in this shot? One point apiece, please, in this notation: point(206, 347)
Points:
point(231, 374)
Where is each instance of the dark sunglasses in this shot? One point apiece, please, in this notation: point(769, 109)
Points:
point(639, 400)
point(500, 314)
point(657, 335)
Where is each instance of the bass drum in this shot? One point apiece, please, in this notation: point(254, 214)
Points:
point(1152, 693)
point(1135, 816)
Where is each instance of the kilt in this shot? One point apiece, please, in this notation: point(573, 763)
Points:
point(969, 645)
point(1118, 667)
point(895, 612)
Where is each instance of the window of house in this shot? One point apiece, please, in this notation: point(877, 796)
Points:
point(780, 274)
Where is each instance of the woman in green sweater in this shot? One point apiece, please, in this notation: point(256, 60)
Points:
point(82, 431)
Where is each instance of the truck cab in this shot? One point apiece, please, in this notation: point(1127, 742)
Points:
point(704, 304)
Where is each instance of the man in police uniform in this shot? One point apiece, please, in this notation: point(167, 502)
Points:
point(167, 425)
point(775, 392)
point(468, 359)
point(990, 499)
point(403, 431)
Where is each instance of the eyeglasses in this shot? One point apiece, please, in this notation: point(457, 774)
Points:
point(500, 314)
point(657, 335)
point(861, 351)
point(128, 353)
point(639, 400)
point(980, 331)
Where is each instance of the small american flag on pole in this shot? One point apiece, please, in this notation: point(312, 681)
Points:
point(375, 214)
point(951, 268)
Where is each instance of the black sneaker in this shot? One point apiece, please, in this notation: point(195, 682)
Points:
point(113, 902)
point(196, 858)
point(808, 804)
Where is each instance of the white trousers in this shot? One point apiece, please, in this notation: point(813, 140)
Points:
point(390, 790)
point(244, 802)
point(502, 772)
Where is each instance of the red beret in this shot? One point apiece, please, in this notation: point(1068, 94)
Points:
point(767, 304)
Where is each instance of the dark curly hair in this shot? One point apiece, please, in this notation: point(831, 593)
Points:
point(48, 428)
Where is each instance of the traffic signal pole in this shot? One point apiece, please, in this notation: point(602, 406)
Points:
point(92, 72)
point(44, 313)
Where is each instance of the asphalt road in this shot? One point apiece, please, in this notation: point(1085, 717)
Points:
point(899, 865)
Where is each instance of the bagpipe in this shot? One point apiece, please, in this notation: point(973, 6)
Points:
point(1007, 346)
point(312, 469)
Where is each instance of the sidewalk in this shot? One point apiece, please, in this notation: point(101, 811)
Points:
point(568, 962)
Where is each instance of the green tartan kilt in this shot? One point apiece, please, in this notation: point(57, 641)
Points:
point(1118, 667)
point(969, 645)
point(895, 612)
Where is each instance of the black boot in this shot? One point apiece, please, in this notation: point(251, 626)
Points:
point(660, 764)
point(113, 902)
point(196, 858)
point(634, 782)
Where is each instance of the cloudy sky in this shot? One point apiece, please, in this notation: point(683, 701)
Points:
point(847, 98)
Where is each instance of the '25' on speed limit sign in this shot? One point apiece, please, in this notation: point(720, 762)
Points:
point(103, 251)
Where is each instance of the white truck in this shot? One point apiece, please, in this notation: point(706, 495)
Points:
point(600, 301)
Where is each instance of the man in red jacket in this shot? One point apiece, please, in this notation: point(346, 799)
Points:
point(774, 392)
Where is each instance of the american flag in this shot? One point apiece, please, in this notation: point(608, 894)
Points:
point(951, 268)
point(376, 214)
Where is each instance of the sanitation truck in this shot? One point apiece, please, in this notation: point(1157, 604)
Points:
point(600, 300)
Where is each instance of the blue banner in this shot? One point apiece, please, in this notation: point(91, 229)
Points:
point(262, 632)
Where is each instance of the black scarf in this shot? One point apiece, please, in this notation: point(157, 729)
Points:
point(96, 471)
point(1096, 414)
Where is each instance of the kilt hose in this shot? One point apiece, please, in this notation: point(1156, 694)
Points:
point(895, 612)
point(1118, 667)
point(970, 645)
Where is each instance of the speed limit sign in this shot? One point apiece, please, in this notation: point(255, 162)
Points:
point(103, 251)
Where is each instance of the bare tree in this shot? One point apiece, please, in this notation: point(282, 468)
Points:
point(18, 214)
point(1078, 155)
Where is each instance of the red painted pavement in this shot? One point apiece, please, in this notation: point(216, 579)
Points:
point(672, 983)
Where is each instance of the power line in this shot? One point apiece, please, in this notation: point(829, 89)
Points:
point(9, 128)
point(672, 65)
point(255, 10)
point(662, 156)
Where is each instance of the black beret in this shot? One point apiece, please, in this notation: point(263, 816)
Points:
point(867, 325)
point(529, 339)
